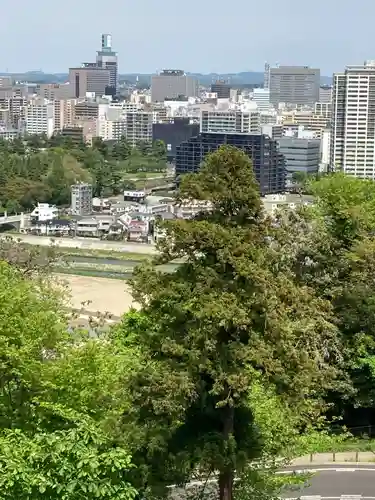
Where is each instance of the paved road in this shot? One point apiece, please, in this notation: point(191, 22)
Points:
point(327, 482)
point(333, 481)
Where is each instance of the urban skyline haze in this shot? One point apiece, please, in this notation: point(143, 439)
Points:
point(195, 36)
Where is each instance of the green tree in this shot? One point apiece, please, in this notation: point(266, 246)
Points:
point(159, 150)
point(62, 393)
point(121, 149)
point(330, 247)
point(36, 142)
point(101, 146)
point(31, 323)
point(224, 316)
point(349, 204)
point(75, 464)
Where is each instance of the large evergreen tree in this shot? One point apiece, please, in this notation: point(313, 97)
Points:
point(229, 314)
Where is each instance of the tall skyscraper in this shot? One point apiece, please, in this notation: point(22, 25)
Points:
point(353, 121)
point(106, 58)
point(294, 85)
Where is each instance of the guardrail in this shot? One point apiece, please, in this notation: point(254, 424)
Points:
point(336, 457)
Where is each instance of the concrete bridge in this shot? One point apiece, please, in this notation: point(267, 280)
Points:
point(17, 220)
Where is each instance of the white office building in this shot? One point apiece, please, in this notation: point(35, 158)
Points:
point(262, 99)
point(40, 117)
point(353, 121)
point(230, 121)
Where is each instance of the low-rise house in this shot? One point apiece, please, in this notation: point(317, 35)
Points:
point(274, 202)
point(56, 227)
point(138, 230)
point(44, 212)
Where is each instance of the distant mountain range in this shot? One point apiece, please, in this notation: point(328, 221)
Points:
point(242, 78)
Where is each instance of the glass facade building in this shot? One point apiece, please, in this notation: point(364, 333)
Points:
point(268, 162)
point(173, 133)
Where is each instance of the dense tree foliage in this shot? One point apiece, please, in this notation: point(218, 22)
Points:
point(235, 358)
point(38, 169)
point(61, 395)
point(331, 248)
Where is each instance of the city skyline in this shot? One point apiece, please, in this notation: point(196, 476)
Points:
point(190, 37)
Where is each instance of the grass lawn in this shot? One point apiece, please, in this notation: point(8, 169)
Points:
point(92, 273)
point(356, 444)
point(151, 183)
point(105, 254)
point(102, 254)
point(143, 175)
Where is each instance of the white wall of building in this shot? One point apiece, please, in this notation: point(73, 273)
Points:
point(40, 117)
point(262, 99)
point(325, 145)
point(44, 212)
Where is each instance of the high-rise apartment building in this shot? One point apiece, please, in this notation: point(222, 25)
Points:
point(134, 126)
point(81, 199)
point(230, 122)
point(172, 83)
point(268, 163)
point(138, 127)
point(106, 58)
point(63, 113)
point(13, 110)
point(89, 79)
point(353, 121)
point(40, 118)
point(297, 85)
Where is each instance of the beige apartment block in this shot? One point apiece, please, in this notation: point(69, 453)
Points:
point(308, 119)
point(53, 91)
point(64, 113)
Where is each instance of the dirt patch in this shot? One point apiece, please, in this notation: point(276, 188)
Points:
point(105, 294)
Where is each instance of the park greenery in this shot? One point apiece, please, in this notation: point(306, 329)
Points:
point(36, 169)
point(257, 348)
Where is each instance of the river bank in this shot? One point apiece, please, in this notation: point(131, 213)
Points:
point(96, 258)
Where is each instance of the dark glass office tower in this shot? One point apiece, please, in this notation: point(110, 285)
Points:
point(268, 163)
point(222, 89)
point(173, 133)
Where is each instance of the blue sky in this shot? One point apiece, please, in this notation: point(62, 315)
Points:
point(195, 35)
